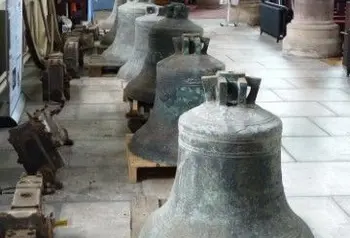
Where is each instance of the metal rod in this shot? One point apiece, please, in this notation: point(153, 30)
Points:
point(227, 23)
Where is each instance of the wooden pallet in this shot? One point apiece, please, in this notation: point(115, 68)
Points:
point(137, 115)
point(97, 66)
point(333, 61)
point(135, 162)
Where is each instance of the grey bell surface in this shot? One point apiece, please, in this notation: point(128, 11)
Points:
point(137, 62)
point(120, 50)
point(179, 88)
point(229, 180)
point(109, 37)
point(142, 88)
point(108, 23)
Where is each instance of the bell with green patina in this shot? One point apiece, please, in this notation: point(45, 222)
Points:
point(179, 88)
point(109, 23)
point(228, 181)
point(120, 50)
point(143, 86)
point(136, 63)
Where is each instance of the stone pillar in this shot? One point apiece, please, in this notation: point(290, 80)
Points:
point(247, 12)
point(312, 33)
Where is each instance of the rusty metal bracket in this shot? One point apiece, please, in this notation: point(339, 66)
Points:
point(56, 80)
point(58, 133)
point(36, 143)
point(26, 218)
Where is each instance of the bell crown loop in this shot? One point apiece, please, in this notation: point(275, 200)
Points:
point(177, 11)
point(151, 10)
point(228, 88)
point(191, 43)
point(156, 10)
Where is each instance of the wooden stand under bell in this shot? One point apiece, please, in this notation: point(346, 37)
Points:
point(97, 66)
point(137, 109)
point(138, 114)
point(135, 162)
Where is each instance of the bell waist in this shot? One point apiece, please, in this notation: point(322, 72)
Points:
point(211, 146)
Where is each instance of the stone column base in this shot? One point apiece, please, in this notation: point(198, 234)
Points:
point(312, 39)
point(247, 11)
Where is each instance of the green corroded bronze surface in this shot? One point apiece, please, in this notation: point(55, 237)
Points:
point(120, 50)
point(142, 88)
point(137, 63)
point(228, 181)
point(179, 88)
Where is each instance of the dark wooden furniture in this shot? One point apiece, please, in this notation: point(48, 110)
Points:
point(346, 44)
point(339, 13)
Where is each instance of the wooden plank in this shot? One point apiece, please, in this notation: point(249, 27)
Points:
point(135, 162)
point(137, 109)
point(97, 65)
point(134, 105)
point(95, 71)
point(333, 61)
point(141, 208)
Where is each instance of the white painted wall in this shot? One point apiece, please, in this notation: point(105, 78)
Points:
point(2, 4)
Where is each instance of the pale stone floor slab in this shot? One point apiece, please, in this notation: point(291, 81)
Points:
point(312, 97)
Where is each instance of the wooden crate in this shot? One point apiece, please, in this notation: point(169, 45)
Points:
point(135, 162)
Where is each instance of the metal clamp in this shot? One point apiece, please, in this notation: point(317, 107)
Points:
point(191, 43)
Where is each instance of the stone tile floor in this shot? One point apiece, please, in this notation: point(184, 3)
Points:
point(311, 96)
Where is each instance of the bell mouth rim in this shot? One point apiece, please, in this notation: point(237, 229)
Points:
point(133, 92)
point(298, 227)
point(149, 154)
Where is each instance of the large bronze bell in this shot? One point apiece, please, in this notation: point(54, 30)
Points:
point(179, 88)
point(142, 88)
point(136, 64)
point(109, 22)
point(228, 181)
point(108, 38)
point(120, 50)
